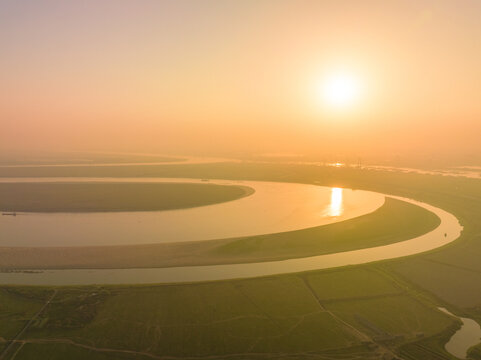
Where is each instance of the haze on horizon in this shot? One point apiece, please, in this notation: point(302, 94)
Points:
point(232, 77)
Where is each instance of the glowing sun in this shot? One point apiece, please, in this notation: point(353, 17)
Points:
point(340, 90)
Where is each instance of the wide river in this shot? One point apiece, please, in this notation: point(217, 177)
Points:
point(274, 207)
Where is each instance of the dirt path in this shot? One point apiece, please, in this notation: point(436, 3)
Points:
point(27, 325)
point(363, 337)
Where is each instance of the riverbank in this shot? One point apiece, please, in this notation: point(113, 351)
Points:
point(394, 221)
point(361, 312)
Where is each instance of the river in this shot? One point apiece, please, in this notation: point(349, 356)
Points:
point(448, 231)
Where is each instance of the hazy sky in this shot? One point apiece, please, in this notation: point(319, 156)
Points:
point(240, 76)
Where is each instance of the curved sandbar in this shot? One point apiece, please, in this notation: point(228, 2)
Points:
point(448, 231)
point(394, 221)
point(102, 197)
point(273, 207)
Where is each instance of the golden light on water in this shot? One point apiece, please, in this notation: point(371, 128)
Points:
point(336, 205)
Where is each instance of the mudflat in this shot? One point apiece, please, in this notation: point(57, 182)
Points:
point(113, 197)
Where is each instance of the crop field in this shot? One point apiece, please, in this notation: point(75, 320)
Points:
point(391, 316)
point(431, 348)
point(352, 283)
point(457, 286)
point(17, 307)
point(240, 180)
point(385, 309)
point(240, 319)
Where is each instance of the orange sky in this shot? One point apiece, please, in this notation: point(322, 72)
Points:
point(229, 77)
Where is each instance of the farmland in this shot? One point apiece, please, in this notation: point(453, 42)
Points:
point(321, 314)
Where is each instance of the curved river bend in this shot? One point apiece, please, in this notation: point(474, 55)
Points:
point(467, 336)
point(274, 207)
point(448, 231)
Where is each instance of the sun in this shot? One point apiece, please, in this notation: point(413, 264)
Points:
point(340, 90)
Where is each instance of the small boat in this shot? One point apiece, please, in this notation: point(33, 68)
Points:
point(9, 214)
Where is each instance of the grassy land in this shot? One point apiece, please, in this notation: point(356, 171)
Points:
point(102, 197)
point(394, 221)
point(431, 348)
point(17, 306)
point(279, 317)
point(361, 312)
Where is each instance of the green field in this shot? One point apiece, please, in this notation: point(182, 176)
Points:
point(278, 317)
point(373, 311)
point(108, 197)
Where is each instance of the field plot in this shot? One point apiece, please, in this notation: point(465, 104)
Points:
point(17, 307)
point(431, 348)
point(362, 312)
point(266, 316)
point(278, 317)
point(458, 286)
point(355, 283)
point(391, 317)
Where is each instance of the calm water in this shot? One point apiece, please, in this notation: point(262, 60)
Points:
point(467, 336)
point(448, 231)
point(274, 207)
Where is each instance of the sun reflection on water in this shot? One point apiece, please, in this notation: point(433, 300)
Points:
point(336, 205)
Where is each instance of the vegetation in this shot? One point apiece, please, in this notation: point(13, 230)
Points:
point(431, 348)
point(103, 197)
point(381, 310)
point(279, 317)
point(17, 307)
point(395, 221)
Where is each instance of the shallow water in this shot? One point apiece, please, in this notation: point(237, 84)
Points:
point(448, 231)
point(273, 207)
point(467, 336)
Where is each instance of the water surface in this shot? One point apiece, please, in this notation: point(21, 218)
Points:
point(448, 231)
point(467, 336)
point(273, 207)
